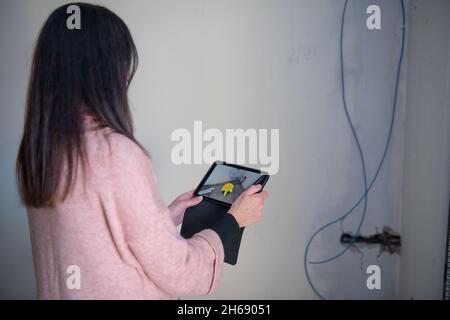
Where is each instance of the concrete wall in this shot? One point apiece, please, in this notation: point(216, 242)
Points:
point(246, 64)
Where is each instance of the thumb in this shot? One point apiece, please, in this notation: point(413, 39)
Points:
point(253, 189)
point(193, 201)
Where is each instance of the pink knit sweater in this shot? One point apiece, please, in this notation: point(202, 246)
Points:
point(116, 228)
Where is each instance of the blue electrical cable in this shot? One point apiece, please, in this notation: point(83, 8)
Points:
point(355, 136)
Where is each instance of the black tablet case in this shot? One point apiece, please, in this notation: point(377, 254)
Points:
point(208, 212)
point(205, 215)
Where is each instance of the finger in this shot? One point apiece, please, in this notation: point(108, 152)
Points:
point(186, 195)
point(253, 189)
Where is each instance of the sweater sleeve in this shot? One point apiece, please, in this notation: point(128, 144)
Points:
point(179, 266)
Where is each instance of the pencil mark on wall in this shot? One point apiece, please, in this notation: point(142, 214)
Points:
point(301, 53)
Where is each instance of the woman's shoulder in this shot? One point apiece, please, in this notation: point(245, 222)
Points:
point(106, 147)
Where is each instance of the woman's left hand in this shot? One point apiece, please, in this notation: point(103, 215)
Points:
point(181, 203)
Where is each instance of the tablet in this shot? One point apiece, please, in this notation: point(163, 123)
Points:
point(221, 185)
point(224, 182)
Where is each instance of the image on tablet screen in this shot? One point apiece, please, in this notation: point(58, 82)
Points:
point(226, 183)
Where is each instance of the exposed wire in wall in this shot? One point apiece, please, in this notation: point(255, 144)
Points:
point(367, 186)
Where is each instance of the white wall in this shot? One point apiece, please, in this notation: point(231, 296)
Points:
point(248, 64)
point(427, 152)
point(274, 64)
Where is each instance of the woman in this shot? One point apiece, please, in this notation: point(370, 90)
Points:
point(99, 228)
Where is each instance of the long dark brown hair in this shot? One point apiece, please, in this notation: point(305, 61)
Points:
point(74, 74)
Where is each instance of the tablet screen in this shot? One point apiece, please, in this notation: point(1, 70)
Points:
point(225, 182)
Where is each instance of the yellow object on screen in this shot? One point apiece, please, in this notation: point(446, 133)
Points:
point(227, 188)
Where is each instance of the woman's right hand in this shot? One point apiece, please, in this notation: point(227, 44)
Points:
point(247, 209)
